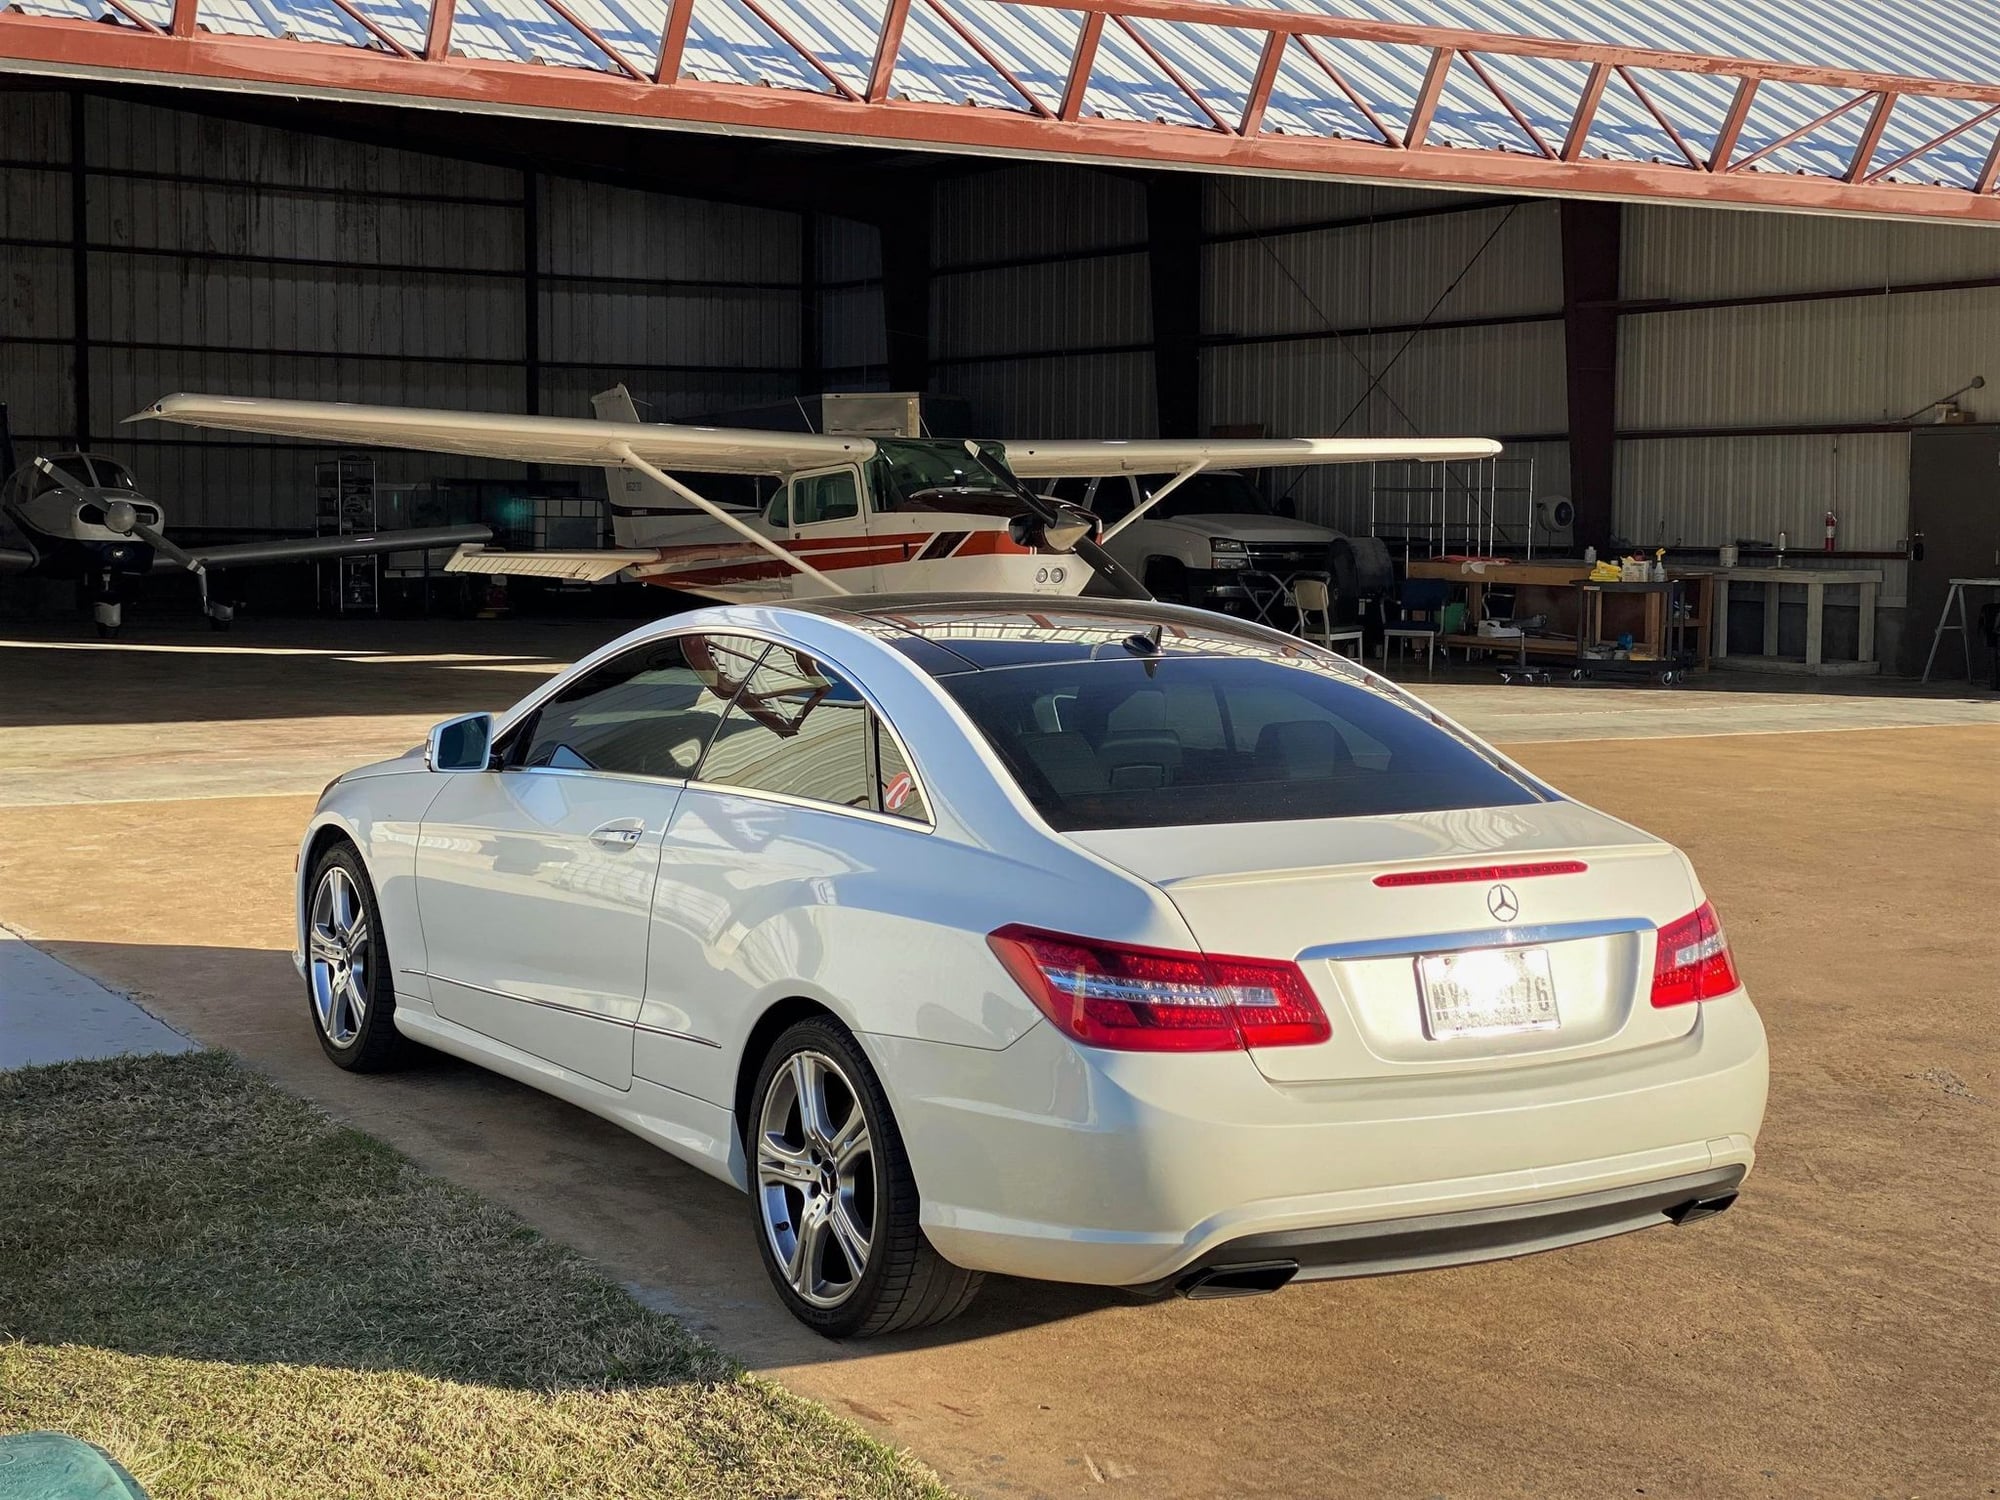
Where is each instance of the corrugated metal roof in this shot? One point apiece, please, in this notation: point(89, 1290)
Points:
point(728, 43)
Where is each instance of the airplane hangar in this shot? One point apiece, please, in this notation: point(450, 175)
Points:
point(1721, 281)
point(1703, 277)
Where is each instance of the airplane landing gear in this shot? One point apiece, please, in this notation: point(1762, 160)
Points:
point(110, 615)
point(220, 616)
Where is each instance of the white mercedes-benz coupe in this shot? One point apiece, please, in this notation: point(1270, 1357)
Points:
point(1085, 940)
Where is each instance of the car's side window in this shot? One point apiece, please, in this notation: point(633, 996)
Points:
point(799, 729)
point(650, 711)
point(895, 784)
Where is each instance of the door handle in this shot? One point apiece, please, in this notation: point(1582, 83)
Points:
point(620, 833)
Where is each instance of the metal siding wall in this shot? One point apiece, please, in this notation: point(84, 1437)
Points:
point(1469, 381)
point(1086, 396)
point(1234, 203)
point(1706, 491)
point(1835, 361)
point(1868, 359)
point(662, 396)
point(1077, 304)
point(853, 335)
point(200, 224)
point(1387, 273)
point(35, 282)
point(1691, 253)
point(1034, 210)
point(589, 229)
point(980, 318)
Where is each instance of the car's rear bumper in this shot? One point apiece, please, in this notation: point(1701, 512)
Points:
point(1257, 1261)
point(1049, 1161)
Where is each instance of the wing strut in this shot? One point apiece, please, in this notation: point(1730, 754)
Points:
point(784, 554)
point(1154, 499)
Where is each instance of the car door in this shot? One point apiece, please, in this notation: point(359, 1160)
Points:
point(534, 881)
point(803, 801)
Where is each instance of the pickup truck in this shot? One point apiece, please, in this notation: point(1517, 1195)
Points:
point(1192, 547)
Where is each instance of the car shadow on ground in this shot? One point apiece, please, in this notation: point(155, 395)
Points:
point(682, 1241)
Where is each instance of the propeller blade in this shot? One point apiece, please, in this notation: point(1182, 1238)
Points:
point(1108, 569)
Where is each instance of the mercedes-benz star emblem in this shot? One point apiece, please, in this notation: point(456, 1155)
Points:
point(1501, 902)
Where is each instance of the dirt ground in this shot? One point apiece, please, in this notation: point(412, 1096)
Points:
point(1834, 1334)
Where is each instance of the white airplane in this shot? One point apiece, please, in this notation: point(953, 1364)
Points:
point(82, 517)
point(851, 514)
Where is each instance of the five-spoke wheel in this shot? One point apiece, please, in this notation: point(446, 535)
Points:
point(347, 966)
point(337, 941)
point(816, 1179)
point(834, 1198)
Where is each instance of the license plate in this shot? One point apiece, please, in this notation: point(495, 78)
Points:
point(1487, 992)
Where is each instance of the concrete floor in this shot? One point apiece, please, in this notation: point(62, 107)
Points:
point(1830, 1336)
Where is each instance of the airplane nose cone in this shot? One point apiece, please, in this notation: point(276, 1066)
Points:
point(120, 516)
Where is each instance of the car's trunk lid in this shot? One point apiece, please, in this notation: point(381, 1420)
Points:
point(1309, 891)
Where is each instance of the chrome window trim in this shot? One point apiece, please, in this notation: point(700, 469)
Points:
point(533, 704)
point(1492, 937)
point(809, 804)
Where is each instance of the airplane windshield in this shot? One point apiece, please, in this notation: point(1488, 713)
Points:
point(113, 476)
point(939, 476)
point(71, 469)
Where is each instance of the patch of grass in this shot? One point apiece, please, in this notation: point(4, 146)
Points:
point(237, 1296)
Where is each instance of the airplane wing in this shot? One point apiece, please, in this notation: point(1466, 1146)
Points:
point(535, 440)
point(573, 567)
point(172, 556)
point(1082, 458)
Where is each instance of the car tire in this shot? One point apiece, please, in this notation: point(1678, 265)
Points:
point(350, 986)
point(814, 1177)
point(1167, 580)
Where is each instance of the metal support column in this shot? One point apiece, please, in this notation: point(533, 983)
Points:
point(79, 270)
point(812, 364)
point(906, 286)
point(531, 292)
point(1590, 249)
point(1173, 254)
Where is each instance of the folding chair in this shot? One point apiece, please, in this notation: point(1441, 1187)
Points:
point(1270, 596)
point(1420, 603)
point(1312, 596)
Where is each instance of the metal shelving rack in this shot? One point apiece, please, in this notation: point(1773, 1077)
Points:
point(1470, 507)
point(345, 506)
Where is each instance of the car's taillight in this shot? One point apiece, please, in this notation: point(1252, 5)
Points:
point(1692, 961)
point(1158, 1000)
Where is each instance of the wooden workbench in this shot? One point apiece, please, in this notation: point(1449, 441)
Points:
point(1549, 588)
point(1815, 581)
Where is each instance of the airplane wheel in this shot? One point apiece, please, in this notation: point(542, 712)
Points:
point(107, 632)
point(215, 624)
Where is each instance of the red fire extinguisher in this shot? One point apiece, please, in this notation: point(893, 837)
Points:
point(1832, 529)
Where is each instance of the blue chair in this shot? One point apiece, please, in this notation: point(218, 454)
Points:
point(1419, 615)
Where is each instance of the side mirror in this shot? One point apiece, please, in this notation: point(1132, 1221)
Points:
point(461, 744)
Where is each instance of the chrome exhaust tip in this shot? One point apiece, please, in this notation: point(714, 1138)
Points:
point(1250, 1279)
point(1698, 1208)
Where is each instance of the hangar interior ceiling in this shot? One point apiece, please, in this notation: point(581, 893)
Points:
point(1767, 365)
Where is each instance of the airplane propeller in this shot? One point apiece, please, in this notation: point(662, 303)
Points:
point(1062, 527)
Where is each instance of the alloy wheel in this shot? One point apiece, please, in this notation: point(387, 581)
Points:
point(339, 949)
point(816, 1179)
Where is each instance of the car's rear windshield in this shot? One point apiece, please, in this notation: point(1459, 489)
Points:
point(1133, 743)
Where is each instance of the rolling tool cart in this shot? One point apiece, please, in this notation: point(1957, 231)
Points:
point(1661, 652)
